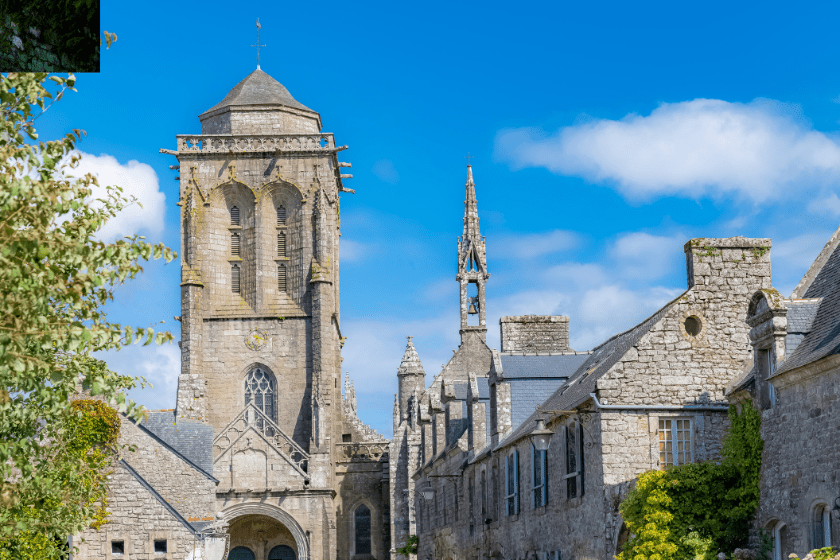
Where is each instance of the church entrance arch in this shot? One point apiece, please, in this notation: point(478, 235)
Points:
point(267, 531)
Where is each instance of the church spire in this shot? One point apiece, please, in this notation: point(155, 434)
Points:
point(411, 377)
point(472, 266)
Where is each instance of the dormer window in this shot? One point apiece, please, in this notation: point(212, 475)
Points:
point(234, 216)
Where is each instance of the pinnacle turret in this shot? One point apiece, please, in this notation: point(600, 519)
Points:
point(411, 378)
point(410, 364)
point(471, 229)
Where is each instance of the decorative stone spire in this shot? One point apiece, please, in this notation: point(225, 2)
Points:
point(471, 230)
point(472, 266)
point(349, 392)
point(411, 377)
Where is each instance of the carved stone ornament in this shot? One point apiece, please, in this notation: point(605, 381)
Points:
point(256, 339)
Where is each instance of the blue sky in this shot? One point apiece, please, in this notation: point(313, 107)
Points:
point(605, 135)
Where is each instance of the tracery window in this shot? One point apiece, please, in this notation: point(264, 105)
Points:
point(362, 526)
point(260, 389)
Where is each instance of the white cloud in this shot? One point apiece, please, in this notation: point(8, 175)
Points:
point(385, 171)
point(799, 252)
point(693, 149)
point(160, 365)
point(644, 256)
point(829, 205)
point(353, 251)
point(531, 245)
point(136, 179)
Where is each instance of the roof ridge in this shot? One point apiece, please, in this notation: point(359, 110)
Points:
point(158, 497)
point(173, 450)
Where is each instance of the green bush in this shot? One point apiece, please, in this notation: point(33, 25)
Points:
point(697, 510)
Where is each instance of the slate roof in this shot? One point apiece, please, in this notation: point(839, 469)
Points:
point(827, 277)
point(824, 338)
point(258, 88)
point(576, 391)
point(158, 497)
point(800, 315)
point(534, 366)
point(192, 442)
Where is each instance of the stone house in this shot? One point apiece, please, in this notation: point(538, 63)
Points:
point(260, 439)
point(795, 382)
point(649, 397)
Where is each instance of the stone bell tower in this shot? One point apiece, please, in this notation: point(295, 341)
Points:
point(472, 267)
point(261, 339)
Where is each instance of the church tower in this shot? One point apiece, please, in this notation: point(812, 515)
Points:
point(472, 267)
point(261, 338)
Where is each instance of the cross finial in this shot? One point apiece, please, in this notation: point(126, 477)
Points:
point(469, 157)
point(409, 338)
point(258, 43)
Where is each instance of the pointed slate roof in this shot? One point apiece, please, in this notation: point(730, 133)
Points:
point(410, 364)
point(258, 88)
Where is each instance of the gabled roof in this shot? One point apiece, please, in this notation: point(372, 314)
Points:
point(819, 276)
point(583, 382)
point(258, 88)
point(541, 365)
point(824, 336)
point(158, 497)
point(175, 451)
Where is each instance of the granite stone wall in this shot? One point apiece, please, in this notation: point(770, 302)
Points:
point(535, 333)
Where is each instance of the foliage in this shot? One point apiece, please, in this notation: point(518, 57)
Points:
point(827, 553)
point(410, 546)
point(696, 510)
point(55, 278)
point(70, 27)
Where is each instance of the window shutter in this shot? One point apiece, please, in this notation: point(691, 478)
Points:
point(234, 279)
point(281, 244)
point(533, 477)
point(281, 277)
point(507, 486)
point(234, 216)
point(234, 244)
point(516, 482)
point(281, 215)
point(580, 459)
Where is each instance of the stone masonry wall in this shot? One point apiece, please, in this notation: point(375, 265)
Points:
point(535, 333)
point(801, 458)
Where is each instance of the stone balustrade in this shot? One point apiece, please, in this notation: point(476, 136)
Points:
point(230, 143)
point(362, 451)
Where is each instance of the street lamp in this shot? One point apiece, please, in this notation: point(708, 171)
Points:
point(541, 436)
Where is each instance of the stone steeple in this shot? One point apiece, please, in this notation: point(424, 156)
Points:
point(472, 266)
point(411, 378)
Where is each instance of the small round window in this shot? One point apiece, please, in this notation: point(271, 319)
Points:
point(692, 326)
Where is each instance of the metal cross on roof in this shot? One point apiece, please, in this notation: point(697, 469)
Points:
point(258, 43)
point(469, 157)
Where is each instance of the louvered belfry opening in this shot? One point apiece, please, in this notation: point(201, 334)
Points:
point(234, 244)
point(234, 216)
point(234, 279)
point(281, 215)
point(281, 277)
point(281, 244)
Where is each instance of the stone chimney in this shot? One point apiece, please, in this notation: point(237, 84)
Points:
point(535, 333)
point(738, 264)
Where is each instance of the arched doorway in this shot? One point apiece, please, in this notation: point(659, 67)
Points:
point(260, 537)
point(241, 553)
point(282, 552)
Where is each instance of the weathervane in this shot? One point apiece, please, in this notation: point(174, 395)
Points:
point(258, 43)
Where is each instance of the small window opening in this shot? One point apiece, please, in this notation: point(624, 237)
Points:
point(160, 546)
point(346, 438)
point(234, 244)
point(117, 548)
point(234, 216)
point(281, 244)
point(674, 442)
point(281, 277)
point(281, 215)
point(692, 326)
point(473, 304)
point(234, 279)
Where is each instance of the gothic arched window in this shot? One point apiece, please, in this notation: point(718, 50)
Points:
point(362, 525)
point(261, 390)
point(234, 279)
point(281, 215)
point(234, 216)
point(281, 277)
